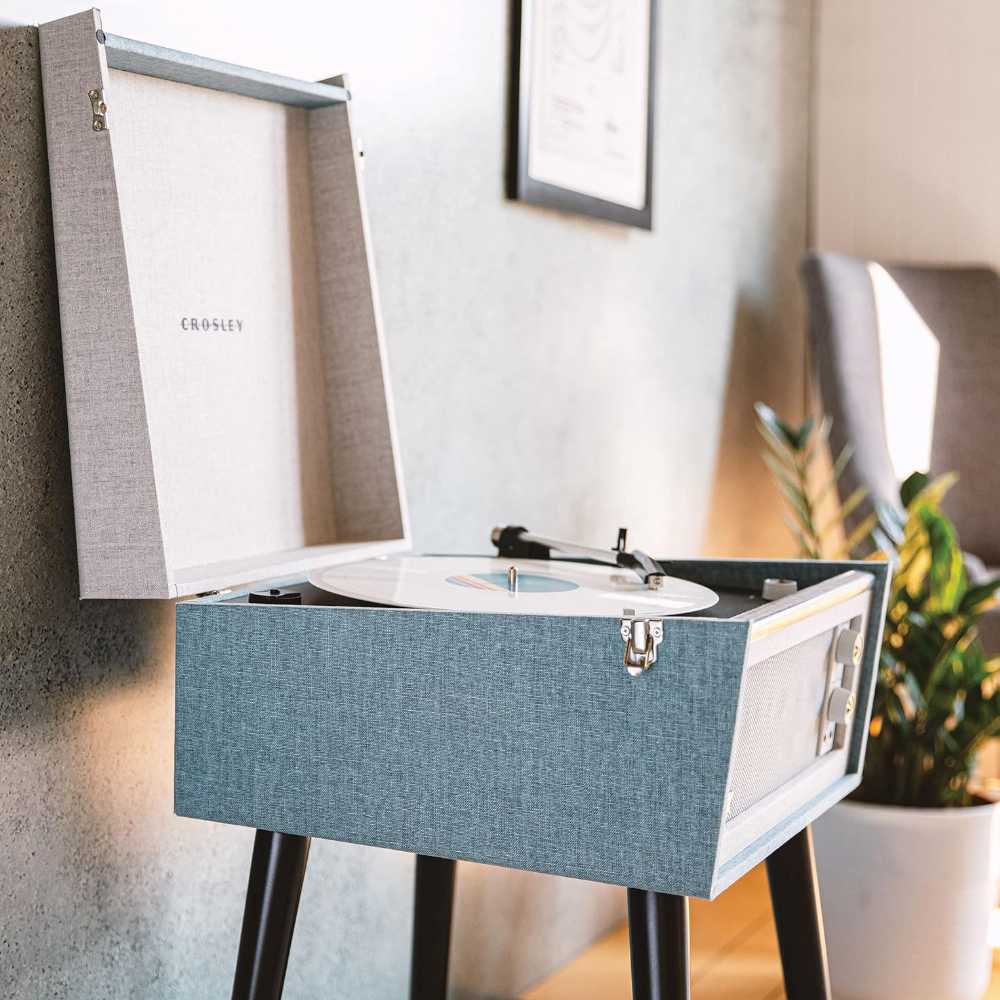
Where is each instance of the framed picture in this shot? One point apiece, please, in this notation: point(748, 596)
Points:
point(583, 107)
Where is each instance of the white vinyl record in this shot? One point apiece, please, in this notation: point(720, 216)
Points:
point(480, 584)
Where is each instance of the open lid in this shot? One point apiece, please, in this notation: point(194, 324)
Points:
point(229, 409)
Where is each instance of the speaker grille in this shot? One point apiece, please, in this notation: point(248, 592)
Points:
point(778, 732)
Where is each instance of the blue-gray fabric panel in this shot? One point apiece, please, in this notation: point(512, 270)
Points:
point(512, 740)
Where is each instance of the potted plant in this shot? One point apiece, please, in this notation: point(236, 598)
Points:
point(906, 864)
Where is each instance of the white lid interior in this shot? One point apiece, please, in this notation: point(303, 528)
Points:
point(239, 360)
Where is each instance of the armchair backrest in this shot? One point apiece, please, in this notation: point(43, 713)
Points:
point(961, 308)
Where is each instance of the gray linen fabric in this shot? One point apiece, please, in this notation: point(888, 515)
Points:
point(174, 477)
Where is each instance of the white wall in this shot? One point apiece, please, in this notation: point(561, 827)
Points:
point(548, 370)
point(907, 149)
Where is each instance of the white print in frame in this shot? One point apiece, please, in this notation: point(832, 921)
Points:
point(585, 101)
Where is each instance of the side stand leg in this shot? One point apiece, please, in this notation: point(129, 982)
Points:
point(277, 869)
point(432, 906)
point(659, 942)
point(798, 917)
point(638, 943)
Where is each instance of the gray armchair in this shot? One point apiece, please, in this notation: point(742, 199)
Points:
point(961, 307)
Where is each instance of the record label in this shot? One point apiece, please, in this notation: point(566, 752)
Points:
point(481, 584)
point(527, 583)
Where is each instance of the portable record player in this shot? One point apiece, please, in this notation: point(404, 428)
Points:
point(625, 746)
point(600, 714)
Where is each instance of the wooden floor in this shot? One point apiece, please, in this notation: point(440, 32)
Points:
point(734, 955)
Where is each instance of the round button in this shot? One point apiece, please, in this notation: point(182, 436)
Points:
point(840, 707)
point(849, 647)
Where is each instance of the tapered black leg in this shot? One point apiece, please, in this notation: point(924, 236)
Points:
point(434, 894)
point(638, 943)
point(659, 943)
point(798, 917)
point(277, 869)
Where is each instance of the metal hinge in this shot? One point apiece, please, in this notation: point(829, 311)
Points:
point(98, 109)
point(642, 638)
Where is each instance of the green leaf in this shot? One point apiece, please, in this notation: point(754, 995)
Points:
point(860, 534)
point(914, 484)
point(977, 598)
point(801, 434)
point(842, 459)
point(799, 505)
point(916, 571)
point(807, 545)
point(947, 569)
point(780, 472)
point(934, 492)
point(853, 502)
point(780, 449)
point(981, 737)
point(941, 665)
point(774, 424)
point(818, 439)
point(831, 484)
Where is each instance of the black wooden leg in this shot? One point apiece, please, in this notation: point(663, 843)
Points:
point(659, 942)
point(432, 905)
point(798, 917)
point(277, 869)
point(638, 943)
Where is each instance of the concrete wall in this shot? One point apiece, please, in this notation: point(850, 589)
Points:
point(551, 370)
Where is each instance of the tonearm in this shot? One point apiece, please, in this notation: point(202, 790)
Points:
point(519, 543)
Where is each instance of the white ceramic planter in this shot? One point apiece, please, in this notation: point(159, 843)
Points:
point(907, 897)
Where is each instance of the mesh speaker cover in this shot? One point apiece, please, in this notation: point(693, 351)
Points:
point(780, 716)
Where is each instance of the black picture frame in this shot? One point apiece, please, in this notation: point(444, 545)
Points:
point(521, 186)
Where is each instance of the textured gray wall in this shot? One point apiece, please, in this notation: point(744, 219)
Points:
point(548, 369)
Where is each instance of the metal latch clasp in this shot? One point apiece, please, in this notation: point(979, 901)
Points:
point(642, 638)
